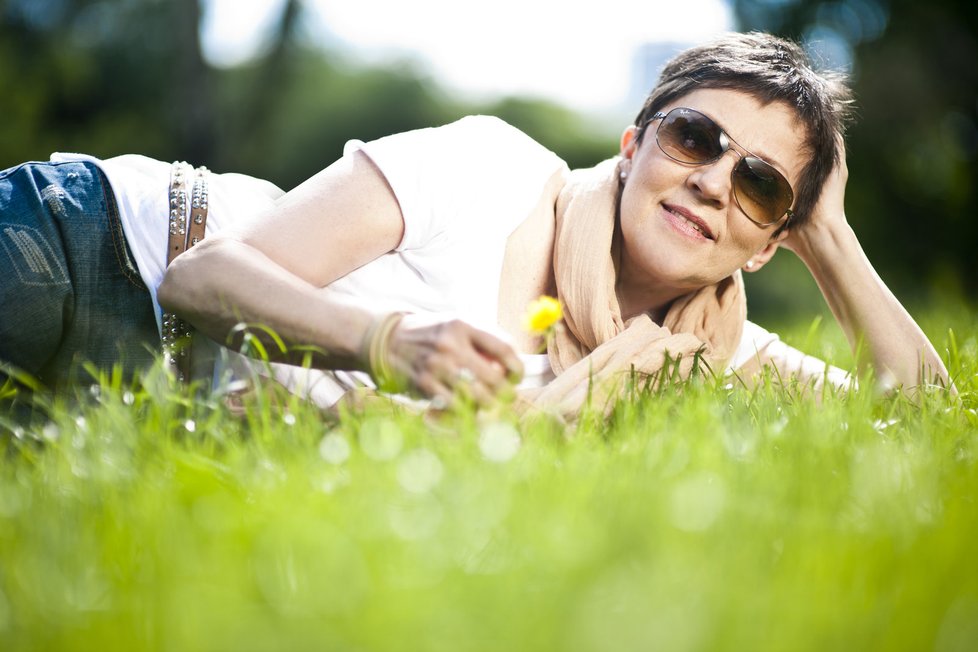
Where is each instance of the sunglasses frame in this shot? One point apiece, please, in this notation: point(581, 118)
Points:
point(726, 144)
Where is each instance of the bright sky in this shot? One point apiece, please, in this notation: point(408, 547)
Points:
point(581, 54)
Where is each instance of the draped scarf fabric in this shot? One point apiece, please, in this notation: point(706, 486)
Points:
point(596, 351)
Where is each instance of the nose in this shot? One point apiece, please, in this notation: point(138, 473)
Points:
point(712, 182)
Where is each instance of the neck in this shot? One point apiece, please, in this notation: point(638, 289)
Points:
point(637, 293)
point(637, 298)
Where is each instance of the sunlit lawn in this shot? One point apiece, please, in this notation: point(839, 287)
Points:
point(701, 518)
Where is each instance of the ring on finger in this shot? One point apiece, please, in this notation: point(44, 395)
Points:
point(439, 403)
point(464, 375)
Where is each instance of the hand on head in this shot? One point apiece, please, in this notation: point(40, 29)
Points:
point(828, 211)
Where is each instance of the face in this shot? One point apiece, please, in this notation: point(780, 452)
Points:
point(681, 225)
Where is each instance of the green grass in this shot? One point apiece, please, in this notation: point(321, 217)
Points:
point(698, 518)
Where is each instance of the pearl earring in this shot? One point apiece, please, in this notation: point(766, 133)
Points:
point(750, 264)
point(623, 175)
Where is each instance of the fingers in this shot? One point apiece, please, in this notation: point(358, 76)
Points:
point(841, 167)
point(467, 387)
point(447, 384)
point(494, 349)
point(451, 359)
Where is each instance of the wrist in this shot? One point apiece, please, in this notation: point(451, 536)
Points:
point(822, 241)
point(376, 355)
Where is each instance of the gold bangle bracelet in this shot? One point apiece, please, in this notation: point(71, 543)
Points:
point(377, 353)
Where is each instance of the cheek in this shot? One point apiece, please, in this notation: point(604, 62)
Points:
point(627, 208)
point(635, 212)
point(648, 182)
point(632, 212)
point(745, 236)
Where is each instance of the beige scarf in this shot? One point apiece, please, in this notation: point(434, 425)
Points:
point(596, 352)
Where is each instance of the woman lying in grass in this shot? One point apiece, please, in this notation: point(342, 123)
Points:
point(413, 258)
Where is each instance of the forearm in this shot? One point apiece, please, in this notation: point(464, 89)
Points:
point(872, 318)
point(223, 283)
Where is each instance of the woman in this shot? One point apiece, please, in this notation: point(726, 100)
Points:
point(737, 152)
point(415, 256)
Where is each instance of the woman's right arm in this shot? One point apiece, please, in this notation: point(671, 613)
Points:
point(273, 272)
point(866, 309)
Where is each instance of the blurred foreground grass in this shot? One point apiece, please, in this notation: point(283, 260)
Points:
point(705, 518)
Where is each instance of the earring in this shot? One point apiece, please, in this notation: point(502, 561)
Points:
point(750, 264)
point(623, 175)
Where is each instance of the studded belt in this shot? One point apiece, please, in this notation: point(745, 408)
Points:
point(188, 219)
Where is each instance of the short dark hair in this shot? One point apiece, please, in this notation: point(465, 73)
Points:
point(771, 69)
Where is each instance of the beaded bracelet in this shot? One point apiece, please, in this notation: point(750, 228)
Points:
point(377, 353)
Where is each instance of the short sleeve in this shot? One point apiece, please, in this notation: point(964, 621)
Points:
point(760, 348)
point(462, 174)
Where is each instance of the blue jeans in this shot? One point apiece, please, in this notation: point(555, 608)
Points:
point(69, 289)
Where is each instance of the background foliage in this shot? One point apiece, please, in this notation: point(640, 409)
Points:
point(117, 76)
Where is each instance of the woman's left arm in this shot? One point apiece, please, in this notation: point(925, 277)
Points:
point(872, 318)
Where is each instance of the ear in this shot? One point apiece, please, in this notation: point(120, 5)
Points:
point(759, 259)
point(628, 142)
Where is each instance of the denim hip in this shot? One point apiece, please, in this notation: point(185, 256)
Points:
point(69, 290)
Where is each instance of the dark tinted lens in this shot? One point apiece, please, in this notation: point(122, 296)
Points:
point(689, 136)
point(763, 192)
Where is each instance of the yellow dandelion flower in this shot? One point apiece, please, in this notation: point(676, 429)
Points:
point(542, 315)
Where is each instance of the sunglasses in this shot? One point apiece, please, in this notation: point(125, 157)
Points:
point(761, 192)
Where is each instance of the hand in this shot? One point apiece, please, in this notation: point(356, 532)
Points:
point(440, 358)
point(828, 213)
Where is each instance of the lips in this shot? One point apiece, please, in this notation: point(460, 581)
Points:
point(692, 220)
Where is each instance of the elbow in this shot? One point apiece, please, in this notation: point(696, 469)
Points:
point(186, 278)
point(168, 293)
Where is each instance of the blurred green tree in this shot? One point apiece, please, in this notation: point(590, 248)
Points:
point(103, 77)
point(116, 76)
